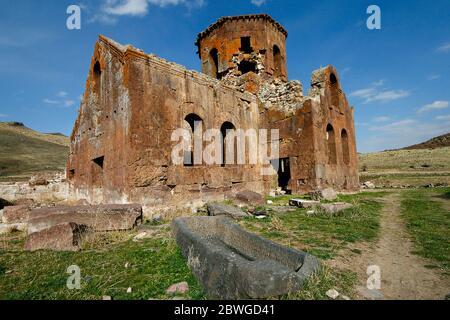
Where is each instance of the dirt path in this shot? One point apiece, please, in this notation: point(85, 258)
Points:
point(403, 275)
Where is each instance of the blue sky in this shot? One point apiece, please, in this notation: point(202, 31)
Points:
point(397, 78)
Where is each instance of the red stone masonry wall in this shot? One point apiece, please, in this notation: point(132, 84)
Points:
point(121, 142)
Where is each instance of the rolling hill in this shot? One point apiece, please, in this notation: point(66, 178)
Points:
point(438, 142)
point(25, 151)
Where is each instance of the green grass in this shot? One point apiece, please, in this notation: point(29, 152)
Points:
point(154, 265)
point(323, 235)
point(317, 286)
point(428, 222)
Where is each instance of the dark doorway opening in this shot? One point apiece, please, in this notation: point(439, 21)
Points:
point(284, 174)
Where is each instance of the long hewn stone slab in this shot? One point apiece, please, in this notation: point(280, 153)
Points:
point(99, 218)
point(232, 263)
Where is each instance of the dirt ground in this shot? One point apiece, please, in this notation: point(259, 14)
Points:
point(404, 276)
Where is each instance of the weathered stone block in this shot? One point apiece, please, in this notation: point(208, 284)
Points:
point(99, 218)
point(232, 263)
point(62, 237)
point(219, 209)
point(250, 197)
point(16, 214)
point(302, 203)
point(325, 194)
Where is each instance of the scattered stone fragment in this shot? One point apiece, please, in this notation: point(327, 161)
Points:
point(345, 298)
point(333, 294)
point(311, 212)
point(157, 218)
point(129, 290)
point(106, 298)
point(302, 203)
point(369, 185)
point(325, 194)
point(218, 209)
point(127, 265)
point(178, 288)
point(62, 237)
point(333, 208)
point(38, 181)
point(269, 202)
point(250, 197)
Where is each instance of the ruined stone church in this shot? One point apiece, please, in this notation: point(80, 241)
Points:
point(121, 143)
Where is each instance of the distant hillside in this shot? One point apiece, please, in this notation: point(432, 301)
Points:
point(438, 142)
point(25, 151)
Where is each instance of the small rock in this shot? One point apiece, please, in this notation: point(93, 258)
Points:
point(106, 298)
point(302, 203)
point(178, 298)
point(129, 290)
point(127, 265)
point(269, 202)
point(310, 212)
point(140, 236)
point(369, 185)
point(333, 208)
point(260, 217)
point(333, 294)
point(345, 298)
point(178, 288)
point(157, 218)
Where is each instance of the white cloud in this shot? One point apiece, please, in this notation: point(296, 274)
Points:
point(443, 118)
point(126, 7)
point(375, 94)
point(433, 76)
point(2, 115)
point(381, 119)
point(402, 133)
point(444, 48)
point(61, 101)
point(137, 8)
point(258, 3)
point(51, 101)
point(437, 105)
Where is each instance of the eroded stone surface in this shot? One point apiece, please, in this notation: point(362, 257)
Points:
point(232, 263)
point(62, 237)
point(220, 209)
point(302, 203)
point(98, 218)
point(16, 214)
point(325, 194)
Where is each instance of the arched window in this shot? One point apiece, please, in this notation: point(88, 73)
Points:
point(334, 86)
point(97, 73)
point(214, 60)
point(345, 147)
point(277, 62)
point(193, 152)
point(331, 143)
point(228, 143)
